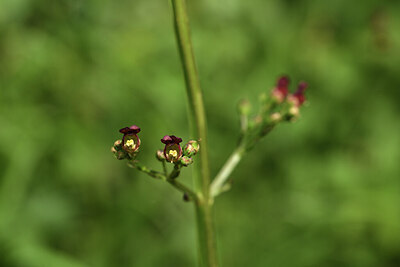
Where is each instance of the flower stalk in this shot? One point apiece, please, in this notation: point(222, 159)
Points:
point(197, 119)
point(165, 177)
point(217, 186)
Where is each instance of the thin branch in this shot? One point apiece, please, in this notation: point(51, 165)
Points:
point(164, 165)
point(170, 179)
point(181, 187)
point(217, 186)
point(175, 172)
point(150, 172)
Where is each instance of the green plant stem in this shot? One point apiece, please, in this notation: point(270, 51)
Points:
point(175, 172)
point(152, 173)
point(165, 170)
point(194, 93)
point(247, 141)
point(244, 123)
point(217, 186)
point(181, 187)
point(197, 118)
point(178, 185)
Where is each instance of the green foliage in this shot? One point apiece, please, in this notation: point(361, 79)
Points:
point(321, 192)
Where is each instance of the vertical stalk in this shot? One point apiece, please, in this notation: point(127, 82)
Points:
point(197, 118)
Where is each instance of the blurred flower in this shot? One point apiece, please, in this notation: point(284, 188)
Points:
point(275, 117)
point(298, 98)
point(280, 92)
point(131, 141)
point(172, 149)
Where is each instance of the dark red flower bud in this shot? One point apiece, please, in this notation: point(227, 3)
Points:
point(298, 98)
point(130, 140)
point(172, 149)
point(281, 90)
point(186, 197)
point(283, 82)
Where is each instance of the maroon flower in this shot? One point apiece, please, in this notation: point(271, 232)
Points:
point(281, 90)
point(298, 98)
point(131, 141)
point(172, 149)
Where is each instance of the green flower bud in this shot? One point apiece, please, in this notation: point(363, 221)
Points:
point(118, 151)
point(244, 107)
point(118, 145)
point(186, 161)
point(292, 114)
point(191, 148)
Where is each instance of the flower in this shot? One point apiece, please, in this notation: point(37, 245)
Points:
point(130, 140)
point(172, 149)
point(280, 92)
point(298, 98)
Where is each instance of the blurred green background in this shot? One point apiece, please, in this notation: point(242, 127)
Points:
point(324, 191)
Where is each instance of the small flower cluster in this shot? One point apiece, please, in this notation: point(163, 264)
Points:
point(280, 95)
point(173, 152)
point(280, 105)
point(128, 148)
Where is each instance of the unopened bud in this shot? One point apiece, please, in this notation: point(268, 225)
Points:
point(160, 155)
point(280, 91)
point(244, 107)
point(186, 161)
point(297, 99)
point(186, 197)
point(293, 113)
point(191, 148)
point(275, 117)
point(117, 150)
point(118, 145)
